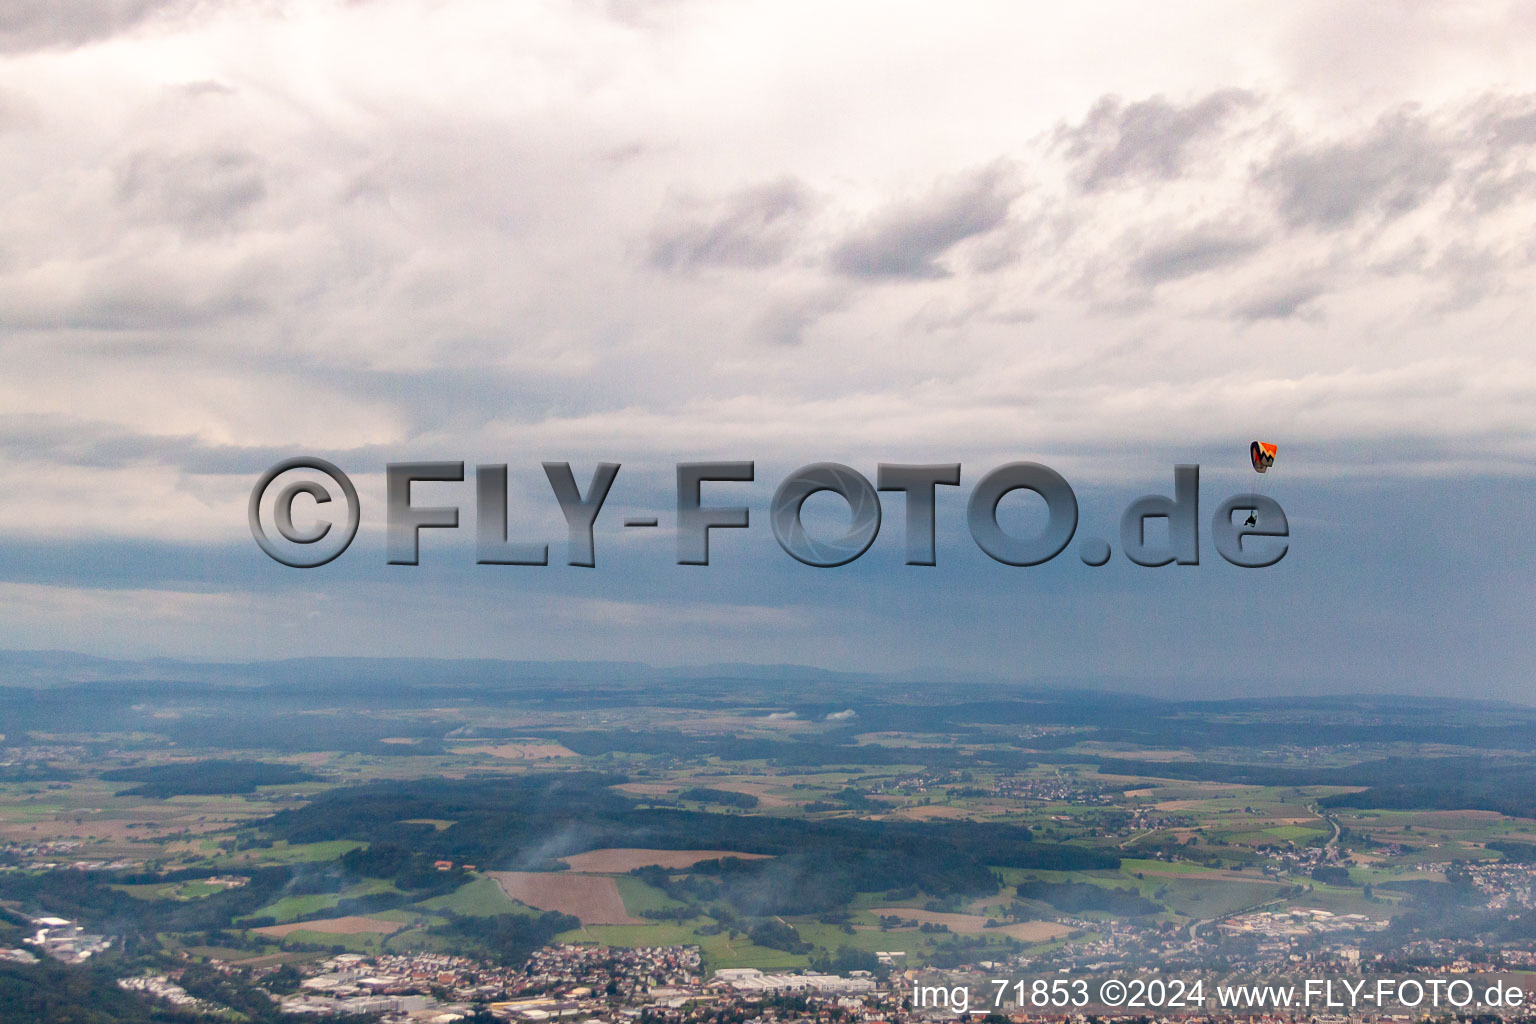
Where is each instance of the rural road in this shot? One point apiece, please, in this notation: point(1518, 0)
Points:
point(1334, 839)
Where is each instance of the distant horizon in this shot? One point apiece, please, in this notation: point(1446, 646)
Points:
point(647, 672)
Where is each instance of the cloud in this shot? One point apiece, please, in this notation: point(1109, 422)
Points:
point(75, 441)
point(1193, 253)
point(1278, 302)
point(907, 239)
point(199, 190)
point(1149, 139)
point(1390, 169)
point(752, 227)
point(786, 318)
point(27, 25)
point(1503, 135)
point(1514, 128)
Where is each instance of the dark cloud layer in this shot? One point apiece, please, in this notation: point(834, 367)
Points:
point(750, 228)
point(907, 239)
point(1391, 169)
point(1148, 139)
point(1278, 303)
point(27, 25)
point(1193, 253)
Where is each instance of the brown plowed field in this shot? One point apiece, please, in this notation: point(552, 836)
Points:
point(592, 898)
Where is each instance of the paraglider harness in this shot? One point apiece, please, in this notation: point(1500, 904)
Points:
point(1262, 454)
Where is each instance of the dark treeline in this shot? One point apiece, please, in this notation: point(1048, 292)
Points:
point(531, 819)
point(201, 778)
point(1519, 853)
point(1385, 774)
point(1202, 725)
point(409, 870)
point(786, 753)
point(1179, 731)
point(776, 934)
point(88, 994)
point(88, 896)
point(37, 772)
point(1481, 784)
point(846, 960)
point(1073, 897)
point(817, 880)
point(304, 733)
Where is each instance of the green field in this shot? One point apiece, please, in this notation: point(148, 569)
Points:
point(1343, 900)
point(170, 891)
point(639, 897)
point(291, 908)
point(482, 897)
point(360, 942)
point(281, 852)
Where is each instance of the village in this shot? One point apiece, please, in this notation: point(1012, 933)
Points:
point(667, 985)
point(566, 982)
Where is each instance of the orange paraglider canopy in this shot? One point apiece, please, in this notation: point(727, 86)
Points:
point(1263, 455)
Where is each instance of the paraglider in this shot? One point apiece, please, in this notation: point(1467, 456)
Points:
point(1262, 454)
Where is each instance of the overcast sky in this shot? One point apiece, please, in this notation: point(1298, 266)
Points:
point(1106, 237)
